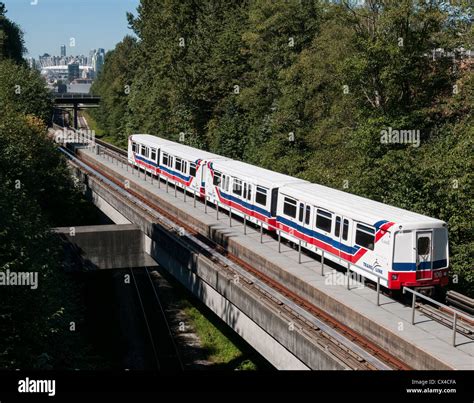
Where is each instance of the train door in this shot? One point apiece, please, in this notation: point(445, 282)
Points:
point(304, 221)
point(300, 221)
point(423, 250)
point(342, 234)
point(205, 178)
point(250, 191)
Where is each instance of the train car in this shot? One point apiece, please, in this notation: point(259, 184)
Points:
point(179, 164)
point(399, 247)
point(246, 190)
point(375, 239)
point(144, 151)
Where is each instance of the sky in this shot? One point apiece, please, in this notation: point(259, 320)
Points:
point(51, 23)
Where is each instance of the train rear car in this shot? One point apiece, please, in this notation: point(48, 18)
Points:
point(378, 241)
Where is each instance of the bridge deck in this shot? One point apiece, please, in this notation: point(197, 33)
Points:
point(427, 344)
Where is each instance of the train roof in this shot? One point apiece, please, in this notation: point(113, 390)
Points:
point(190, 153)
point(150, 140)
point(255, 174)
point(174, 148)
point(356, 207)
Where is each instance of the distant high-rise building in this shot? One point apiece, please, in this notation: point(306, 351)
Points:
point(63, 50)
point(32, 63)
point(98, 59)
point(73, 71)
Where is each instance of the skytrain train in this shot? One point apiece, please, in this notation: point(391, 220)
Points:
point(380, 242)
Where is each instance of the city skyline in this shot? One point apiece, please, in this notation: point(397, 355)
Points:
point(96, 24)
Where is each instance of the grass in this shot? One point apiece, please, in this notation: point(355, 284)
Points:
point(223, 348)
point(92, 124)
point(221, 351)
point(101, 133)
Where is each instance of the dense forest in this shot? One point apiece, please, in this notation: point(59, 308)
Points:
point(39, 327)
point(308, 88)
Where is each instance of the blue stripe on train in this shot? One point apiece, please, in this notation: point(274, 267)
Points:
point(245, 204)
point(378, 224)
point(437, 264)
point(324, 238)
point(140, 158)
point(175, 173)
point(163, 168)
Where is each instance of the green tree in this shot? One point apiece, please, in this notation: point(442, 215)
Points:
point(11, 38)
point(307, 88)
point(23, 90)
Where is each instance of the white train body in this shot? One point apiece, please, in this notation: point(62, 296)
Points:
point(377, 240)
point(180, 164)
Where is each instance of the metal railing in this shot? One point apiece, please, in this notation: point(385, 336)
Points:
point(107, 153)
point(70, 95)
point(456, 313)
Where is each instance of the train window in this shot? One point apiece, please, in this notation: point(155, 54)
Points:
point(423, 245)
point(365, 236)
point(337, 229)
point(165, 159)
point(261, 196)
point(345, 229)
point(192, 169)
point(178, 164)
point(289, 207)
point(153, 154)
point(249, 195)
point(237, 188)
point(143, 150)
point(217, 178)
point(324, 220)
point(134, 147)
point(245, 190)
point(308, 213)
point(301, 212)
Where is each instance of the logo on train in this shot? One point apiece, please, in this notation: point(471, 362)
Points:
point(375, 267)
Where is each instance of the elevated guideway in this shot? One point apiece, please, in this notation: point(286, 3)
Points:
point(291, 279)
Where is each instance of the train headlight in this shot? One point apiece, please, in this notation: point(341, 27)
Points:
point(394, 276)
point(445, 273)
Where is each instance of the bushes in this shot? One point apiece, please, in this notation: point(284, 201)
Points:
point(306, 88)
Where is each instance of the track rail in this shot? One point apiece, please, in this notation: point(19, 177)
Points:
point(346, 345)
point(460, 301)
point(446, 319)
point(165, 351)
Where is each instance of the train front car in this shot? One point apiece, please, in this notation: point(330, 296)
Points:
point(377, 241)
point(420, 255)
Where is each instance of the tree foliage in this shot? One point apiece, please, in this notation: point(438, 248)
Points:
point(36, 193)
point(12, 45)
point(307, 87)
